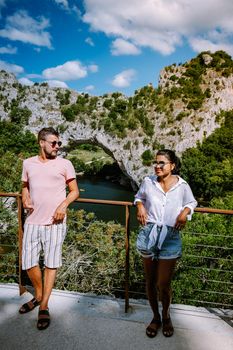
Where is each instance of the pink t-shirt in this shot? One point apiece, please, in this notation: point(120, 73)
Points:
point(47, 186)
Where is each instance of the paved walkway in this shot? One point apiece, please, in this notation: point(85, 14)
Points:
point(81, 322)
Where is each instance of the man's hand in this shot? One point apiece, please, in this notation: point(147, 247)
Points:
point(27, 204)
point(182, 219)
point(141, 213)
point(60, 213)
point(26, 199)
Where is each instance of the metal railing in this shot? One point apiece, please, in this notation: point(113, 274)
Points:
point(20, 213)
point(127, 206)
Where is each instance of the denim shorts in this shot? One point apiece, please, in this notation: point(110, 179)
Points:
point(170, 249)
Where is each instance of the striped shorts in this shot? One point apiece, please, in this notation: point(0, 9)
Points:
point(48, 238)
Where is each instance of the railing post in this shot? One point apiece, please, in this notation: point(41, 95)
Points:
point(22, 289)
point(127, 218)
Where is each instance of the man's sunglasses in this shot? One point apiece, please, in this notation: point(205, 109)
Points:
point(54, 143)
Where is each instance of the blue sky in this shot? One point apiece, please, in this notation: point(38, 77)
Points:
point(101, 46)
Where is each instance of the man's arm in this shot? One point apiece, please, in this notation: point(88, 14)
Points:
point(73, 194)
point(26, 199)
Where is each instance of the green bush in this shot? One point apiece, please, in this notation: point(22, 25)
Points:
point(93, 255)
point(20, 115)
point(209, 167)
point(147, 157)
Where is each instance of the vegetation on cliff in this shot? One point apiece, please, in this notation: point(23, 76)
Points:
point(94, 250)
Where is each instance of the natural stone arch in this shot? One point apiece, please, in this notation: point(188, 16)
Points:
point(128, 160)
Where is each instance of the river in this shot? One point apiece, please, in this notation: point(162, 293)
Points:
point(99, 188)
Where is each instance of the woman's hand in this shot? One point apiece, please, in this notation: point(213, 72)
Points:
point(182, 219)
point(141, 213)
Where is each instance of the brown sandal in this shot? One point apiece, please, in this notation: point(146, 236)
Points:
point(168, 328)
point(43, 319)
point(29, 306)
point(151, 330)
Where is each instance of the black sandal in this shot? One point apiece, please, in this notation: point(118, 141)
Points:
point(151, 331)
point(29, 306)
point(168, 328)
point(43, 319)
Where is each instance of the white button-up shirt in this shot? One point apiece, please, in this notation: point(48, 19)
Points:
point(164, 207)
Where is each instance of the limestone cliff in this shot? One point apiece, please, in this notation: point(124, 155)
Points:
point(185, 108)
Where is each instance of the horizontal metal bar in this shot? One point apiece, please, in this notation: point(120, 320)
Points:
point(222, 282)
point(211, 292)
point(209, 246)
point(214, 211)
point(103, 201)
point(204, 234)
point(207, 257)
point(207, 268)
point(209, 302)
point(8, 264)
point(10, 194)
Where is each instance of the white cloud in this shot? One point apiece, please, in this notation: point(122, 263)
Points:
point(56, 83)
point(8, 50)
point(63, 3)
point(123, 47)
point(199, 44)
point(124, 78)
point(22, 27)
point(9, 67)
point(34, 76)
point(93, 68)
point(26, 81)
point(89, 41)
point(89, 88)
point(160, 25)
point(71, 70)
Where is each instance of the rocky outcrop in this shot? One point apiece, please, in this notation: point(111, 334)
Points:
point(175, 126)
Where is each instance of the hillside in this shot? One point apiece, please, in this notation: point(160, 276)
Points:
point(184, 109)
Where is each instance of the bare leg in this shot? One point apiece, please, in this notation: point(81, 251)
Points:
point(43, 315)
point(165, 273)
point(35, 276)
point(150, 267)
point(49, 279)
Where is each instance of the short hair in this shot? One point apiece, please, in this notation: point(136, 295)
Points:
point(171, 156)
point(45, 132)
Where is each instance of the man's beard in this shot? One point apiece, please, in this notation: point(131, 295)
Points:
point(50, 155)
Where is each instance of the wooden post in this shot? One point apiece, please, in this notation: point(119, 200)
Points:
point(22, 289)
point(127, 218)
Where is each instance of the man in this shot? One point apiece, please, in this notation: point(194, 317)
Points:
point(45, 178)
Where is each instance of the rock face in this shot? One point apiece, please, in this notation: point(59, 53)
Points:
point(175, 125)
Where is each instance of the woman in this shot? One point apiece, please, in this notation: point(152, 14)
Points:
point(164, 203)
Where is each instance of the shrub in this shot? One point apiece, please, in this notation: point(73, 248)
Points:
point(147, 157)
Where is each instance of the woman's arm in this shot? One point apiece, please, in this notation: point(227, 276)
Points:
point(141, 213)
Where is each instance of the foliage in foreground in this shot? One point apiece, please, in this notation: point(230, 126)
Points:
point(208, 168)
point(94, 257)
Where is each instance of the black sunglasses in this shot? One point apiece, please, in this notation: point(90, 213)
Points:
point(54, 143)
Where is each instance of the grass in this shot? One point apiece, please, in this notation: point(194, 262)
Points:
point(87, 156)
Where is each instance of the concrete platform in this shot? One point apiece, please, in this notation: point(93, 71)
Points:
point(84, 322)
